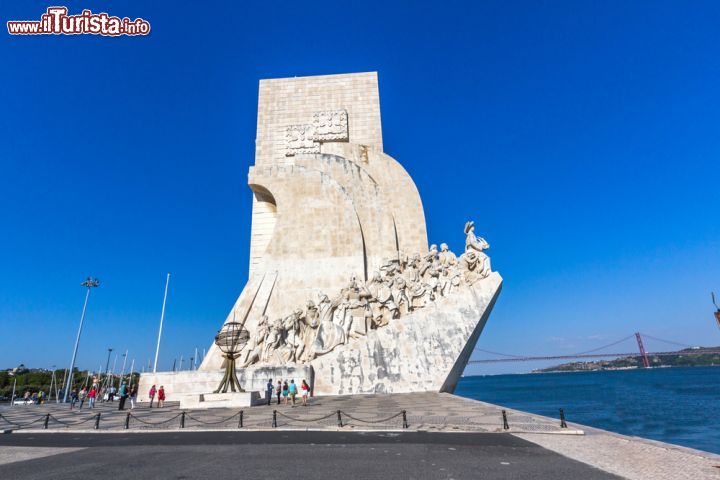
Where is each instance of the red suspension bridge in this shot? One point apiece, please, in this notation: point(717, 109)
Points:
point(596, 352)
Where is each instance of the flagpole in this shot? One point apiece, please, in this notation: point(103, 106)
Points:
point(162, 317)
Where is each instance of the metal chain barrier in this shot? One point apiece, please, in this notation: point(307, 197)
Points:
point(373, 421)
point(213, 423)
point(156, 423)
point(306, 419)
point(69, 424)
point(41, 419)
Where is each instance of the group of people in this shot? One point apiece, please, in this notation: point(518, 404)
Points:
point(287, 391)
point(402, 285)
point(95, 391)
point(160, 393)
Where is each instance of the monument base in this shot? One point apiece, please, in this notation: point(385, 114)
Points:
point(192, 384)
point(220, 400)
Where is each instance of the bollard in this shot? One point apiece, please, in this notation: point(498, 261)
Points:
point(240, 420)
point(97, 422)
point(47, 419)
point(182, 420)
point(405, 424)
point(274, 419)
point(505, 422)
point(562, 419)
point(339, 419)
point(127, 421)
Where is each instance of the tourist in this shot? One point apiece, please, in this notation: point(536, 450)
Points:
point(73, 398)
point(91, 397)
point(161, 396)
point(269, 390)
point(151, 394)
point(133, 396)
point(279, 390)
point(123, 396)
point(293, 391)
point(82, 395)
point(285, 391)
point(305, 391)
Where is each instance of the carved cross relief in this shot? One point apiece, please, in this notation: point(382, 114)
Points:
point(328, 125)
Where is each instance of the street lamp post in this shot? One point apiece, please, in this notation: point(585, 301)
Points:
point(122, 373)
point(89, 283)
point(107, 367)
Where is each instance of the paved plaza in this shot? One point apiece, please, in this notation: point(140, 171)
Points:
point(424, 411)
point(446, 437)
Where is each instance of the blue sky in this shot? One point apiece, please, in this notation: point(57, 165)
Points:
point(582, 137)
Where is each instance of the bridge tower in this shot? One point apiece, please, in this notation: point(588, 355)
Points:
point(643, 353)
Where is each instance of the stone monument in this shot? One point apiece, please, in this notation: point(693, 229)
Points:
point(343, 290)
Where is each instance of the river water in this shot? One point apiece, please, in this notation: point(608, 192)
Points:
point(674, 405)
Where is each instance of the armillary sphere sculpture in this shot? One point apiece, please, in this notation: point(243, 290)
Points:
point(231, 339)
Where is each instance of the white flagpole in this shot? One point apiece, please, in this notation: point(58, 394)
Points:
point(132, 365)
point(162, 317)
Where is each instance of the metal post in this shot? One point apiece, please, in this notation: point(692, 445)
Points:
point(240, 421)
point(127, 421)
point(339, 415)
point(107, 365)
point(12, 399)
point(64, 378)
point(122, 373)
point(97, 422)
point(274, 424)
point(47, 419)
point(405, 423)
point(505, 421)
point(162, 317)
point(89, 283)
point(182, 420)
point(132, 366)
point(562, 419)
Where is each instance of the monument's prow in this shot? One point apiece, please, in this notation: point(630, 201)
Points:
point(343, 288)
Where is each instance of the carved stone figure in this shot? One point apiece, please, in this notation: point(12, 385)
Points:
point(478, 263)
point(446, 257)
point(329, 334)
point(254, 349)
point(382, 304)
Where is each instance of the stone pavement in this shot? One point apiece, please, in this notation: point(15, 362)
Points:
point(425, 411)
point(628, 457)
point(282, 454)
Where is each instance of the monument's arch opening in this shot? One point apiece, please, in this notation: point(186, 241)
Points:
point(264, 217)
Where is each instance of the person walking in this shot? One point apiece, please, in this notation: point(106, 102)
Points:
point(304, 391)
point(133, 396)
point(293, 391)
point(91, 397)
point(269, 390)
point(82, 395)
point(111, 394)
point(161, 397)
point(285, 391)
point(73, 398)
point(151, 394)
point(278, 392)
point(123, 396)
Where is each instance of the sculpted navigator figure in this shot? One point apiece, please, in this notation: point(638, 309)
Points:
point(254, 349)
point(329, 334)
point(478, 261)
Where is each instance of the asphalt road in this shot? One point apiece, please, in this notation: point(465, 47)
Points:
point(190, 455)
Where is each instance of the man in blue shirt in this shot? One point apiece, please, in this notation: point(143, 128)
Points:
point(269, 390)
point(293, 391)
